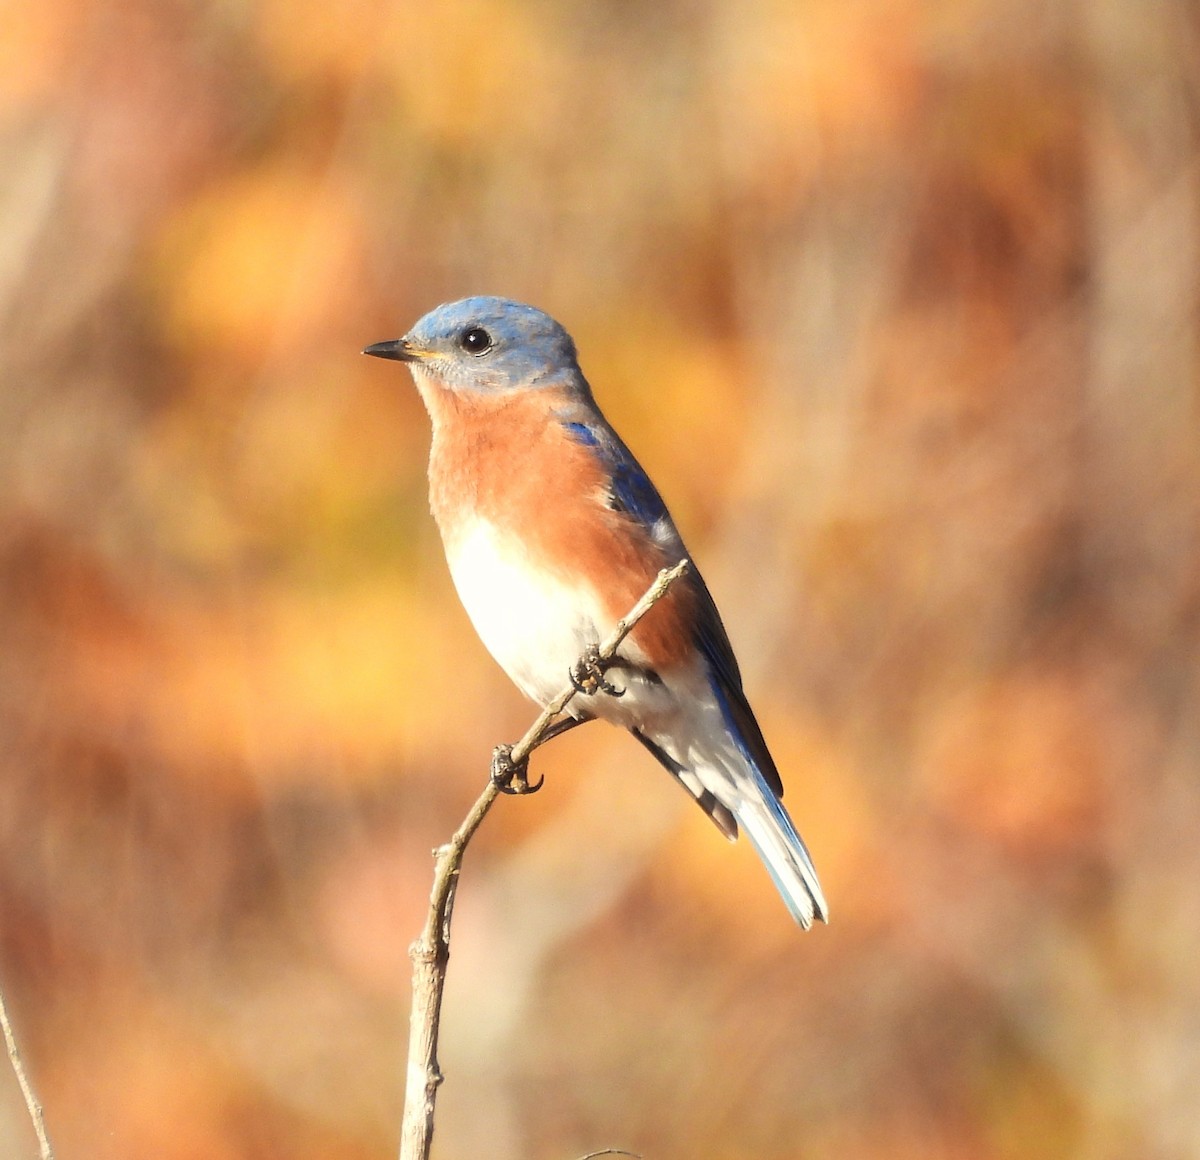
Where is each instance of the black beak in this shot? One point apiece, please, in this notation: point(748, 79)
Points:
point(396, 349)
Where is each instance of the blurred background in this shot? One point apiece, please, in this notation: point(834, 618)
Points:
point(896, 299)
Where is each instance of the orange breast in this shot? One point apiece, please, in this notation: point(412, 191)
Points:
point(507, 460)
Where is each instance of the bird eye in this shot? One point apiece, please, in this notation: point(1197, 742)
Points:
point(476, 340)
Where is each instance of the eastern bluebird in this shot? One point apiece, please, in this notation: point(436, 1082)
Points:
point(553, 531)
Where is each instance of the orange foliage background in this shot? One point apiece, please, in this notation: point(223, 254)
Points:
point(897, 299)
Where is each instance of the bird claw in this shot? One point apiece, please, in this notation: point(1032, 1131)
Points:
point(512, 777)
point(587, 674)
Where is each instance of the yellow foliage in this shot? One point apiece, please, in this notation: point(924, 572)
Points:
point(249, 265)
point(34, 39)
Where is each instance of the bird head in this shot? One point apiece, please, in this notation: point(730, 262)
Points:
point(487, 345)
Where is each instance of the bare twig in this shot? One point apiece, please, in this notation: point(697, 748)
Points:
point(431, 952)
point(32, 1104)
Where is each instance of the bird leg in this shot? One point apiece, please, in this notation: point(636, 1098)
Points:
point(587, 673)
point(512, 776)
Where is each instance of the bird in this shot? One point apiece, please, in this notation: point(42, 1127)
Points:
point(552, 531)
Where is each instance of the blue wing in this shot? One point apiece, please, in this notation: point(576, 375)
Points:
point(726, 683)
point(632, 490)
point(633, 493)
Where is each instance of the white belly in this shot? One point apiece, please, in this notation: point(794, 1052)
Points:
point(534, 625)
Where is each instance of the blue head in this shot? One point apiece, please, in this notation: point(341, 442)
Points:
point(486, 344)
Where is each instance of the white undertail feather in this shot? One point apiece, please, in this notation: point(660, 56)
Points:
point(766, 824)
point(711, 761)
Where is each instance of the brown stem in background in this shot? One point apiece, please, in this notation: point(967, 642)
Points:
point(32, 1104)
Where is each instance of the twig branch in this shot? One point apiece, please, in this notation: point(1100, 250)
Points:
point(431, 952)
point(32, 1104)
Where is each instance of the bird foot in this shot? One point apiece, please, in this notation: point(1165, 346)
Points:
point(512, 777)
point(587, 674)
